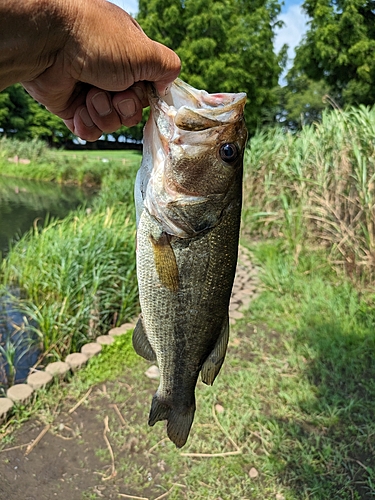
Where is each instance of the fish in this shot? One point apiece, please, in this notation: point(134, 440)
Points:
point(188, 197)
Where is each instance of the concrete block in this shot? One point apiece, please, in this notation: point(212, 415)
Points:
point(91, 349)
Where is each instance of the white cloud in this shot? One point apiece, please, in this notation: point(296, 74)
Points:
point(130, 6)
point(295, 26)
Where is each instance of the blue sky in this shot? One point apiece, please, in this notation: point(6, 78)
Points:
point(292, 15)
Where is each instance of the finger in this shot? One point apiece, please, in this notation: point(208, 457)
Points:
point(82, 125)
point(129, 104)
point(164, 70)
point(101, 110)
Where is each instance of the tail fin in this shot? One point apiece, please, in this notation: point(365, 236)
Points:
point(179, 422)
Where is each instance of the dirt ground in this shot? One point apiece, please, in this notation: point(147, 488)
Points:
point(73, 460)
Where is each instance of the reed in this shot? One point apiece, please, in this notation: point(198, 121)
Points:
point(317, 186)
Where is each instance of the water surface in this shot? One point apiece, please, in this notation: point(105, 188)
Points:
point(22, 202)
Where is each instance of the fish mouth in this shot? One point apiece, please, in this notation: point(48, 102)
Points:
point(191, 109)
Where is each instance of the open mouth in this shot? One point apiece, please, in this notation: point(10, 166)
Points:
point(195, 110)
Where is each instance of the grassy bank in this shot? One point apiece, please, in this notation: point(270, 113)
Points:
point(35, 160)
point(77, 275)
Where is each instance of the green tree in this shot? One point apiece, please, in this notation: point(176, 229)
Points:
point(339, 48)
point(302, 101)
point(22, 117)
point(14, 111)
point(224, 45)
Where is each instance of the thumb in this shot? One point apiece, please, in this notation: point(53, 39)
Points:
point(162, 69)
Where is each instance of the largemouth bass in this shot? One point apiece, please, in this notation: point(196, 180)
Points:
point(188, 197)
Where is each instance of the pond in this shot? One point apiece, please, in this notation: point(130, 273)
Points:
point(22, 202)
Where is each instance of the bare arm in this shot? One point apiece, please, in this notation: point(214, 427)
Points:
point(85, 60)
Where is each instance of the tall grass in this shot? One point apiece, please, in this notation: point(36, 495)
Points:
point(317, 186)
point(78, 274)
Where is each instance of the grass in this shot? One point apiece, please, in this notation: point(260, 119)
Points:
point(74, 167)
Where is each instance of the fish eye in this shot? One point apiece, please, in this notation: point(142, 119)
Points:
point(229, 152)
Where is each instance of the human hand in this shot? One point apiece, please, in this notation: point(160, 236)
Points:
point(92, 73)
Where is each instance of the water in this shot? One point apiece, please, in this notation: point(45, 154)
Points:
point(23, 202)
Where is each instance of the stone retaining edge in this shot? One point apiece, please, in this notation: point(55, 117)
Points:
point(23, 394)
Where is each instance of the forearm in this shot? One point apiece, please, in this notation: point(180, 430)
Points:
point(31, 33)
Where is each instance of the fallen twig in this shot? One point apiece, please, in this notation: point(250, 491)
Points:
point(132, 496)
point(223, 454)
point(208, 455)
point(32, 445)
point(15, 447)
point(80, 401)
point(223, 430)
point(157, 444)
point(169, 491)
point(122, 420)
point(106, 429)
point(64, 437)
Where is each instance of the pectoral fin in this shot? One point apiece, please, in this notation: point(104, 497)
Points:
point(165, 261)
point(141, 343)
point(212, 365)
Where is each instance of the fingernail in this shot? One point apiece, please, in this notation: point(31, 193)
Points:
point(139, 92)
point(85, 117)
point(127, 108)
point(101, 104)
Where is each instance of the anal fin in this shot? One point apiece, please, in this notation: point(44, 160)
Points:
point(215, 359)
point(141, 343)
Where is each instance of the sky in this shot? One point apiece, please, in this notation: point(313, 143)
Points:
point(291, 13)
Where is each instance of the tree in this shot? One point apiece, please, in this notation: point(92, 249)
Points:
point(302, 101)
point(22, 117)
point(224, 45)
point(339, 48)
point(14, 111)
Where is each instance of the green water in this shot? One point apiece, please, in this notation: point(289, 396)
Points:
point(23, 202)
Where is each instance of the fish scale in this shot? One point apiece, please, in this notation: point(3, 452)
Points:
point(185, 278)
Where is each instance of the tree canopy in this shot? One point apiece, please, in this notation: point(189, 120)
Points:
point(339, 48)
point(224, 45)
point(22, 117)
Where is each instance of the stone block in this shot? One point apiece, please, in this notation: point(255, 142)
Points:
point(76, 360)
point(91, 349)
point(20, 393)
point(6, 405)
point(39, 380)
point(58, 369)
point(120, 330)
point(105, 339)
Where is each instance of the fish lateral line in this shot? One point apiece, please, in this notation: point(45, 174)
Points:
point(165, 261)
